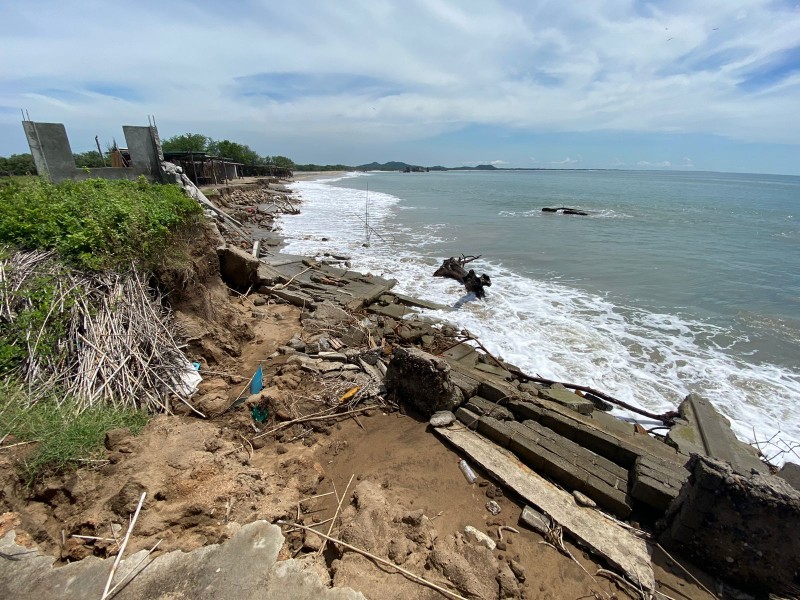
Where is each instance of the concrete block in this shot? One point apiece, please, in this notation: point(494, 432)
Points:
point(467, 384)
point(483, 407)
point(572, 466)
point(739, 529)
point(497, 431)
point(395, 311)
point(494, 370)
point(561, 395)
point(467, 417)
point(703, 430)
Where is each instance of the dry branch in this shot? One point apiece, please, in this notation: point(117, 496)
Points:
point(118, 344)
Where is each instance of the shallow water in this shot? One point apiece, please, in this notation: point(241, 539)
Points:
point(676, 282)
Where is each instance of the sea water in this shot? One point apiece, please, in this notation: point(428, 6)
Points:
point(674, 283)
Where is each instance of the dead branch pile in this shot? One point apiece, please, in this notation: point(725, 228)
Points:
point(115, 339)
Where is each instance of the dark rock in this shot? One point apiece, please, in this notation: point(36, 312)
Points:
point(720, 515)
point(422, 381)
point(791, 473)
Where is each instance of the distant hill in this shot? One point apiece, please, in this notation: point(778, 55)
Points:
point(389, 166)
point(402, 166)
point(476, 168)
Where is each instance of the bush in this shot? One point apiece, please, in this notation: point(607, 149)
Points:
point(95, 224)
point(63, 436)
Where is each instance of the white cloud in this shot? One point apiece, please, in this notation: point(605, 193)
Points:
point(566, 161)
point(664, 164)
point(409, 70)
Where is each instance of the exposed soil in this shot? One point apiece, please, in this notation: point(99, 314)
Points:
point(408, 500)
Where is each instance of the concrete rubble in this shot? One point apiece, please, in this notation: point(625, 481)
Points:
point(741, 528)
point(245, 566)
point(544, 442)
point(550, 429)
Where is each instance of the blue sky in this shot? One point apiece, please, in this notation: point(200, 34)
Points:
point(701, 84)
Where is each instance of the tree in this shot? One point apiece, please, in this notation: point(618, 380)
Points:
point(236, 152)
point(187, 142)
point(281, 161)
point(89, 159)
point(17, 164)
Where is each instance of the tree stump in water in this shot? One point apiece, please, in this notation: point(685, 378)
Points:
point(453, 268)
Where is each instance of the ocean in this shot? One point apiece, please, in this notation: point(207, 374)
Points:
point(676, 282)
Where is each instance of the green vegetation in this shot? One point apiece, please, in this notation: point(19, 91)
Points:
point(65, 436)
point(38, 327)
point(94, 227)
point(241, 153)
point(17, 164)
point(95, 224)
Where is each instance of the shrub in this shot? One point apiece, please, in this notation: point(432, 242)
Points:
point(95, 224)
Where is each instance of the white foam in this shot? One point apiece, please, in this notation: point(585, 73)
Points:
point(555, 331)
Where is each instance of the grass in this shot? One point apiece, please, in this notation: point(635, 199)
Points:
point(64, 436)
point(95, 224)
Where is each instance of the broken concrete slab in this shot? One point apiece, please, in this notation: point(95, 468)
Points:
point(620, 548)
point(655, 483)
point(561, 395)
point(294, 297)
point(738, 527)
point(571, 465)
point(703, 430)
point(599, 432)
point(269, 276)
point(395, 311)
point(242, 568)
point(237, 267)
point(494, 370)
point(483, 407)
point(463, 353)
point(419, 303)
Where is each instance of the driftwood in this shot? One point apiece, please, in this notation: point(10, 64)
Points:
point(453, 268)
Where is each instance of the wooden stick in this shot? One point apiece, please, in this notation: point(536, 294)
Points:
point(122, 548)
point(316, 417)
point(685, 570)
point(132, 573)
point(338, 508)
point(409, 574)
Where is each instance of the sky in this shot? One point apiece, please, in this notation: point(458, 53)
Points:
point(679, 85)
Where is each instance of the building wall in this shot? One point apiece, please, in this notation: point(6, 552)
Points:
point(53, 157)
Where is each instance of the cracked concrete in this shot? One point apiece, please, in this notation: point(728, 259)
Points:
point(241, 568)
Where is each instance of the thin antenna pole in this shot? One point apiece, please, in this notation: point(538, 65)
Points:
point(366, 219)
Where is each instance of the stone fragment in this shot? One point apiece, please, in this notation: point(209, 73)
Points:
point(442, 418)
point(479, 537)
point(583, 500)
point(493, 507)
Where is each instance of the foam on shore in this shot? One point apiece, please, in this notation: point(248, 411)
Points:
point(555, 331)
